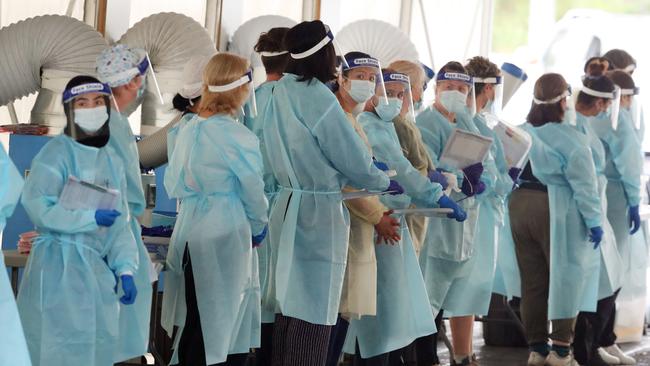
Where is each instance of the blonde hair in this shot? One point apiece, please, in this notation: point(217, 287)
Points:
point(413, 70)
point(224, 68)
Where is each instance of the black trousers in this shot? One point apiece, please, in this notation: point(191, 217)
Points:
point(594, 330)
point(426, 347)
point(337, 339)
point(191, 348)
point(263, 355)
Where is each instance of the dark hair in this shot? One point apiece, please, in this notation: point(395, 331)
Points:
point(100, 138)
point(481, 67)
point(547, 87)
point(334, 86)
point(271, 41)
point(322, 64)
point(622, 79)
point(182, 104)
point(600, 83)
point(596, 60)
point(619, 59)
point(452, 66)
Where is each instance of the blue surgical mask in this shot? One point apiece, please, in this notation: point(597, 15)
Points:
point(387, 112)
point(361, 90)
point(90, 119)
point(417, 105)
point(570, 116)
point(454, 101)
point(142, 88)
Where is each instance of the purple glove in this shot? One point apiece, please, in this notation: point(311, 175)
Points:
point(258, 239)
point(395, 188)
point(436, 176)
point(470, 189)
point(514, 174)
point(473, 172)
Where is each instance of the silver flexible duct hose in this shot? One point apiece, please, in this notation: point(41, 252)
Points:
point(42, 54)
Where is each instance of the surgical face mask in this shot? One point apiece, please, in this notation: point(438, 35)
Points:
point(90, 119)
point(417, 105)
point(488, 105)
point(361, 90)
point(142, 88)
point(387, 112)
point(569, 116)
point(453, 101)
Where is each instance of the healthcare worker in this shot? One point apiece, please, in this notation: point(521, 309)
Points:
point(274, 58)
point(470, 295)
point(356, 85)
point(188, 98)
point(13, 348)
point(314, 152)
point(623, 169)
point(621, 60)
point(449, 246)
point(403, 312)
point(598, 95)
point(556, 220)
point(68, 298)
point(410, 139)
point(215, 169)
point(124, 70)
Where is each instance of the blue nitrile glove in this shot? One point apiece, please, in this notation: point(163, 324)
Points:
point(514, 174)
point(130, 292)
point(106, 217)
point(436, 176)
point(635, 219)
point(473, 173)
point(459, 214)
point(258, 239)
point(381, 166)
point(596, 235)
point(395, 188)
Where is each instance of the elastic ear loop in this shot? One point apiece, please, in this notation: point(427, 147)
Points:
point(471, 186)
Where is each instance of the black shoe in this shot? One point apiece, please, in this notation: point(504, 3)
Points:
point(596, 360)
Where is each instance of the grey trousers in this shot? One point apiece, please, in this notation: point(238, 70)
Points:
point(531, 231)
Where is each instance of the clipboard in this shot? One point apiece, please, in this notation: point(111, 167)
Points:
point(464, 149)
point(516, 143)
point(78, 194)
point(427, 212)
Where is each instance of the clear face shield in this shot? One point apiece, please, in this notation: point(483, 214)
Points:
point(614, 99)
point(251, 102)
point(494, 104)
point(92, 116)
point(634, 105)
point(393, 92)
point(454, 91)
point(361, 75)
point(144, 68)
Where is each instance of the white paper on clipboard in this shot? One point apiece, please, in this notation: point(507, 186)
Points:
point(361, 194)
point(78, 194)
point(516, 143)
point(464, 149)
point(428, 212)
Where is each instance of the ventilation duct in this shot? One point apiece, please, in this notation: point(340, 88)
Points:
point(170, 39)
point(41, 54)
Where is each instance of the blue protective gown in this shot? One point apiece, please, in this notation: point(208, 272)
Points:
point(449, 245)
point(403, 312)
point(314, 152)
point(67, 298)
point(623, 169)
point(13, 348)
point(134, 319)
point(215, 169)
point(471, 295)
point(263, 98)
point(610, 259)
point(561, 159)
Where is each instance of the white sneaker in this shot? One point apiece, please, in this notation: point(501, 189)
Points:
point(622, 357)
point(536, 359)
point(554, 359)
point(609, 359)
